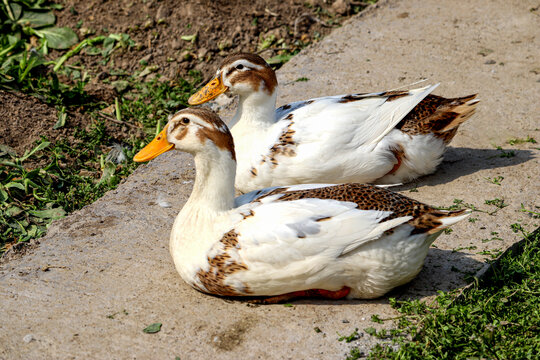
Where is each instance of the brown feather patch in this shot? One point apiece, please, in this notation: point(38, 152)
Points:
point(396, 94)
point(248, 215)
point(285, 107)
point(222, 266)
point(182, 134)
point(368, 197)
point(265, 76)
point(438, 116)
point(217, 132)
point(391, 95)
point(284, 146)
point(253, 58)
point(349, 98)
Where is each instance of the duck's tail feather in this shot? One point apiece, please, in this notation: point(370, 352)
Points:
point(464, 108)
point(437, 220)
point(439, 116)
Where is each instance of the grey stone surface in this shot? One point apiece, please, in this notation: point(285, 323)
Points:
point(104, 273)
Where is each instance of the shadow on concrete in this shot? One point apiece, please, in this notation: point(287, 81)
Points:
point(444, 270)
point(459, 162)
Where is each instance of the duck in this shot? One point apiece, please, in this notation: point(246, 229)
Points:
point(354, 241)
point(389, 137)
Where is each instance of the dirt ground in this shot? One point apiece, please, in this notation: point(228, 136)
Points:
point(27, 119)
point(221, 28)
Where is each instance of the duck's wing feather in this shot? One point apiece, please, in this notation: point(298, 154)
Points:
point(366, 118)
point(284, 232)
point(280, 230)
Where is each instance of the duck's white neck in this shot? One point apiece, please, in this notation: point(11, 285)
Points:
point(255, 110)
point(213, 191)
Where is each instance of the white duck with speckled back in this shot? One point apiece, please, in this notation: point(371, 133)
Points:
point(386, 138)
point(333, 241)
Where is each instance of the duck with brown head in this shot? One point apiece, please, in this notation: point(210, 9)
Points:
point(383, 137)
point(334, 241)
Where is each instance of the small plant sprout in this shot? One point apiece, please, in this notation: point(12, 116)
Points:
point(498, 203)
point(353, 336)
point(521, 141)
point(534, 214)
point(506, 154)
point(496, 180)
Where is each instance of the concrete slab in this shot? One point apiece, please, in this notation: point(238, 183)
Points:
point(104, 273)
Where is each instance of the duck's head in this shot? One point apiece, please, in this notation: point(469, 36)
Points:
point(191, 130)
point(241, 74)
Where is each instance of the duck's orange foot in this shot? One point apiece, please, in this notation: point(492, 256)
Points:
point(317, 293)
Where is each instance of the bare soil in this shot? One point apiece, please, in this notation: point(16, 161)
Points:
point(221, 27)
point(24, 119)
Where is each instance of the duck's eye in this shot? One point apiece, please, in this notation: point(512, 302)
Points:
point(239, 67)
point(185, 121)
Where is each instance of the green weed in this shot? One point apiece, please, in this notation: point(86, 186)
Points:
point(350, 338)
point(31, 198)
point(521, 141)
point(506, 154)
point(534, 214)
point(496, 180)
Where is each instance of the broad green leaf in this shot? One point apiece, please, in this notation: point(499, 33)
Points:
point(120, 85)
point(92, 50)
point(108, 171)
point(13, 211)
point(58, 38)
point(15, 185)
point(13, 39)
point(41, 146)
point(152, 328)
point(16, 9)
point(12, 164)
point(34, 173)
point(32, 231)
point(279, 59)
point(23, 224)
point(37, 19)
point(149, 69)
point(191, 38)
point(62, 116)
point(3, 195)
point(5, 149)
point(54, 214)
point(108, 46)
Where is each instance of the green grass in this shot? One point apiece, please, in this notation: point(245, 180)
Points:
point(498, 317)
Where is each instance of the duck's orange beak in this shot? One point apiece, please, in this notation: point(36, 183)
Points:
point(208, 92)
point(155, 148)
